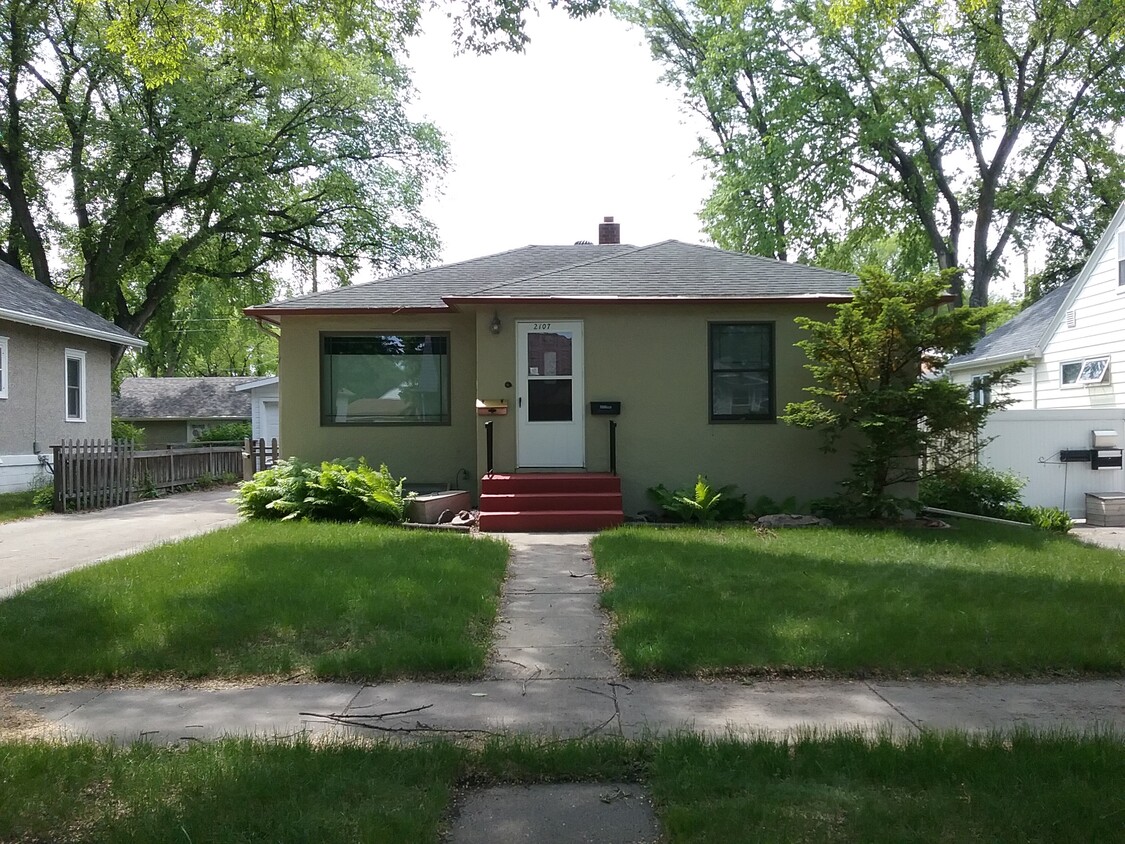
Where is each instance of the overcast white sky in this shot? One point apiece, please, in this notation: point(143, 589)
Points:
point(546, 143)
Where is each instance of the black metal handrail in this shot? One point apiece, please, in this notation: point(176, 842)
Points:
point(612, 447)
point(488, 448)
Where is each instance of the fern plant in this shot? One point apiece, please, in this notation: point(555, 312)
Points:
point(701, 503)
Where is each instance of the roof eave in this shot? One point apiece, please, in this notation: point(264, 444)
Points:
point(520, 300)
point(273, 315)
point(70, 328)
point(995, 360)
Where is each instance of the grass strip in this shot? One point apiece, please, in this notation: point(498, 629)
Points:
point(327, 600)
point(939, 787)
point(18, 505)
point(979, 599)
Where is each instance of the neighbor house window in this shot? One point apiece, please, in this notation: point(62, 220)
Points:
point(384, 379)
point(1121, 258)
point(3, 367)
point(75, 386)
point(1075, 373)
point(742, 371)
point(981, 390)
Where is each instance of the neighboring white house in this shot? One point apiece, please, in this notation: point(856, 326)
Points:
point(1074, 341)
point(55, 374)
point(263, 407)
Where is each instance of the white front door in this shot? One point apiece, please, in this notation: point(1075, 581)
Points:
point(551, 427)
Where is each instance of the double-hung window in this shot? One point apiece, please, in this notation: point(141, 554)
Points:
point(741, 359)
point(384, 379)
point(981, 390)
point(75, 385)
point(3, 367)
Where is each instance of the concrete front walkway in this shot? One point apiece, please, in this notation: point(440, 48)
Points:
point(552, 674)
point(34, 549)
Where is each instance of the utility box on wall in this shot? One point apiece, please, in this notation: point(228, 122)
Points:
point(1106, 451)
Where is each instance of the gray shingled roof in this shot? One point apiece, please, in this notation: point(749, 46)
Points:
point(672, 269)
point(183, 398)
point(24, 300)
point(669, 269)
point(1022, 335)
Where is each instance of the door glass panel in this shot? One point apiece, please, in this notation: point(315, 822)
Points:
point(549, 353)
point(549, 400)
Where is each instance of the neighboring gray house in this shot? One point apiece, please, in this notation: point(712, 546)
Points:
point(178, 410)
point(55, 366)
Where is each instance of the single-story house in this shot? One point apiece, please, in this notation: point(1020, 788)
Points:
point(546, 366)
point(55, 375)
point(1073, 340)
point(263, 407)
point(178, 410)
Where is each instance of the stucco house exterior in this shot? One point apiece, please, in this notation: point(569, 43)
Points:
point(55, 375)
point(1074, 342)
point(685, 352)
point(178, 409)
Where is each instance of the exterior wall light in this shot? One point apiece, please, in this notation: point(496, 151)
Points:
point(494, 326)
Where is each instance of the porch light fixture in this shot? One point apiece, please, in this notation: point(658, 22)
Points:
point(494, 326)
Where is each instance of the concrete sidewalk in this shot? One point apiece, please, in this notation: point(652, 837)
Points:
point(552, 674)
point(46, 546)
point(571, 708)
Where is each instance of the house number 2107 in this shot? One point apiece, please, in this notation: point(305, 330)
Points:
point(540, 326)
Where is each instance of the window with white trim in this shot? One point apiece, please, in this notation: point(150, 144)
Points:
point(75, 385)
point(3, 367)
point(980, 391)
point(1076, 373)
point(1121, 258)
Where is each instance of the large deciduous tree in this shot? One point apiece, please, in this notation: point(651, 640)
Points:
point(126, 192)
point(966, 125)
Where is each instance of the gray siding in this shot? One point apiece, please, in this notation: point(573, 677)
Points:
point(35, 410)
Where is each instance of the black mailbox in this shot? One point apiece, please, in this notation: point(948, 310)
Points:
point(605, 408)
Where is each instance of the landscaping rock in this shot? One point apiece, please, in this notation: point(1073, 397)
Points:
point(779, 520)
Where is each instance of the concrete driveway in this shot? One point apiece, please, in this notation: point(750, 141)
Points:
point(35, 549)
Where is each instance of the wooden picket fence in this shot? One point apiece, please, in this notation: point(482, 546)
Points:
point(91, 474)
point(258, 455)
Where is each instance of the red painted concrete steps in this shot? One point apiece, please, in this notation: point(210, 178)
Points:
point(550, 501)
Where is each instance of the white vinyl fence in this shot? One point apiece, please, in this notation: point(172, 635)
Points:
point(1028, 443)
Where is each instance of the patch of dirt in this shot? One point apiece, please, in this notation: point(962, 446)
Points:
point(18, 724)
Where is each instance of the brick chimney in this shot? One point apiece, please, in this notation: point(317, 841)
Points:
point(609, 231)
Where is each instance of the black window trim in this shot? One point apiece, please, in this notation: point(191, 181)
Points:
point(328, 422)
point(771, 417)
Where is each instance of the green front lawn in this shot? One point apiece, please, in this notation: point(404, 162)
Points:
point(979, 599)
point(265, 599)
point(18, 505)
point(935, 788)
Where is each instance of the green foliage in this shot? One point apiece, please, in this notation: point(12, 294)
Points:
point(1046, 518)
point(43, 497)
point(227, 432)
point(187, 200)
point(764, 506)
point(963, 131)
point(868, 365)
point(122, 430)
point(976, 489)
point(700, 503)
point(341, 491)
